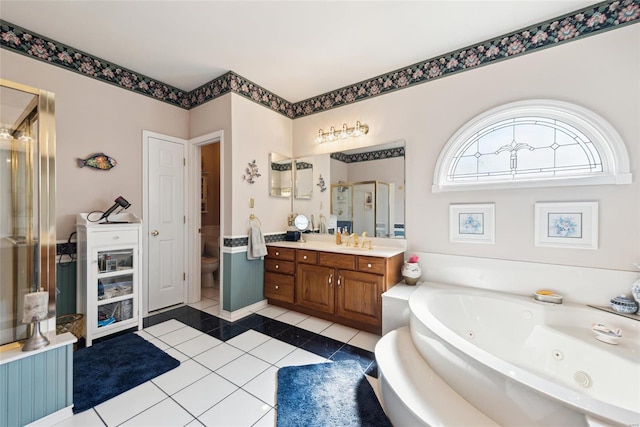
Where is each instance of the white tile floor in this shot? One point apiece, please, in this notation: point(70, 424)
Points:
point(218, 383)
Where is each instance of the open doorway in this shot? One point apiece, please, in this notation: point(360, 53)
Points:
point(210, 259)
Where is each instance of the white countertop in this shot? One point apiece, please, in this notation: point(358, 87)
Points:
point(56, 341)
point(326, 246)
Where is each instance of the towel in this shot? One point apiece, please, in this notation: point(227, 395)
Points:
point(256, 247)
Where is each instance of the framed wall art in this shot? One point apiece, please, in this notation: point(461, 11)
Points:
point(472, 223)
point(567, 225)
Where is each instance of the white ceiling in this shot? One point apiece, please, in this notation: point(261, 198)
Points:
point(295, 49)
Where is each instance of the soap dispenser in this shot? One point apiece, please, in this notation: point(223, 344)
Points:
point(338, 237)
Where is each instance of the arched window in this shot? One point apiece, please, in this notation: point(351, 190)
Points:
point(535, 143)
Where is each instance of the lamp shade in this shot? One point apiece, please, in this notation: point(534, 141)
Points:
point(35, 307)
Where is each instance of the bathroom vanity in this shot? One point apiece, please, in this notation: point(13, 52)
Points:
point(337, 283)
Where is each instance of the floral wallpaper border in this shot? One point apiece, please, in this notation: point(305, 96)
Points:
point(594, 19)
point(244, 241)
point(588, 21)
point(370, 155)
point(280, 166)
point(303, 165)
point(28, 43)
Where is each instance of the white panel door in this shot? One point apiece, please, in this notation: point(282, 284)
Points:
point(165, 218)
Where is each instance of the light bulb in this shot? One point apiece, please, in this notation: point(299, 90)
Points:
point(319, 139)
point(356, 130)
point(344, 134)
point(332, 134)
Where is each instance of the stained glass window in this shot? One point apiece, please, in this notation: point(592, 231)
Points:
point(545, 142)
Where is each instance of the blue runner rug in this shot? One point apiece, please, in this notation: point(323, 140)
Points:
point(114, 366)
point(327, 394)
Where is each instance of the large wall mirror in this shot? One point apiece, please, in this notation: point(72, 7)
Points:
point(27, 203)
point(280, 176)
point(366, 190)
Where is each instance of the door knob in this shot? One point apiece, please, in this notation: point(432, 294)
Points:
point(155, 232)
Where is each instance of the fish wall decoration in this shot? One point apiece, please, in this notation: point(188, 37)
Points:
point(98, 161)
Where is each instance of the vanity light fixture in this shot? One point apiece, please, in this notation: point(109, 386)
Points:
point(4, 134)
point(25, 137)
point(346, 132)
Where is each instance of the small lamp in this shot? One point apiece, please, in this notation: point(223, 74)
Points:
point(35, 309)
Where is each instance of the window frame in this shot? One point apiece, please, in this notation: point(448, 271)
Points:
point(607, 141)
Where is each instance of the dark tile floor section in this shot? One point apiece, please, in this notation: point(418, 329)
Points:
point(312, 342)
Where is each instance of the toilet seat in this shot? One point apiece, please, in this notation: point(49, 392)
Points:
point(208, 265)
point(208, 260)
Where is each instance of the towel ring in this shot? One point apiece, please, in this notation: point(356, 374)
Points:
point(252, 218)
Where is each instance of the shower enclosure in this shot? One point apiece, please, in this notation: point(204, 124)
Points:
point(27, 203)
point(363, 207)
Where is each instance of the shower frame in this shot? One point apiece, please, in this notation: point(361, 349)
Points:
point(38, 218)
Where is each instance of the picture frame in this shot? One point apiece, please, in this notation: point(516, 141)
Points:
point(111, 264)
point(567, 225)
point(472, 223)
point(368, 200)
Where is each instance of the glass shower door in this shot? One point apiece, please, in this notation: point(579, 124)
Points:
point(25, 207)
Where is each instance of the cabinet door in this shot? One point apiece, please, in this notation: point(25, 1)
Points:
point(315, 287)
point(115, 286)
point(359, 296)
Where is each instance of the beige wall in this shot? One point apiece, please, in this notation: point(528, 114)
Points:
point(93, 117)
point(257, 131)
point(599, 73)
point(251, 131)
point(211, 117)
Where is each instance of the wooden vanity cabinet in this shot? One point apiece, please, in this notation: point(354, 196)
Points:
point(342, 288)
point(279, 270)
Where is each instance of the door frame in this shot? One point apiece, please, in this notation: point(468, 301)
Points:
point(145, 208)
point(194, 171)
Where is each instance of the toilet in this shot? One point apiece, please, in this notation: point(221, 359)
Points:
point(209, 264)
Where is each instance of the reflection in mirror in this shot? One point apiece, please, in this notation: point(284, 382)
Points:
point(363, 207)
point(303, 179)
point(342, 204)
point(367, 191)
point(378, 171)
point(280, 175)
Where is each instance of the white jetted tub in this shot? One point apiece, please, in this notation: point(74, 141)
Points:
point(517, 361)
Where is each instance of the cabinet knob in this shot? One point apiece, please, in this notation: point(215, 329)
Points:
point(277, 287)
point(304, 257)
point(277, 266)
point(369, 265)
point(277, 253)
point(154, 232)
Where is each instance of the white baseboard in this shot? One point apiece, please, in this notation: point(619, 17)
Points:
point(53, 419)
point(232, 316)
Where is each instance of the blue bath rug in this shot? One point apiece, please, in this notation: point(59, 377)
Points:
point(113, 366)
point(327, 394)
